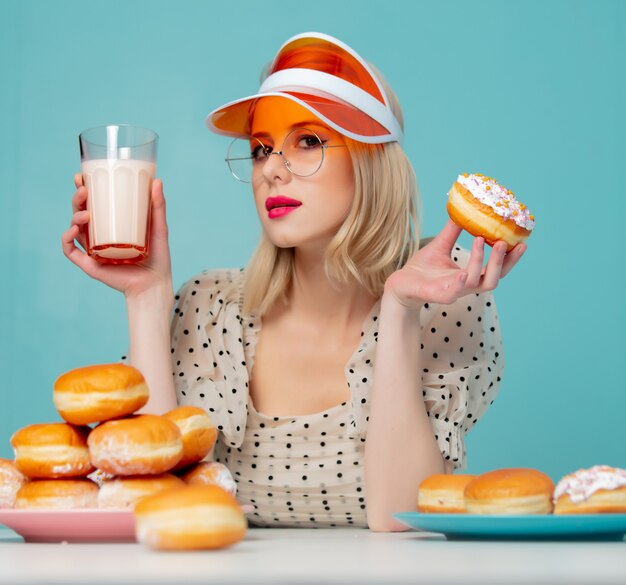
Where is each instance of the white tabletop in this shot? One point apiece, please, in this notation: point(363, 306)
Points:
point(310, 556)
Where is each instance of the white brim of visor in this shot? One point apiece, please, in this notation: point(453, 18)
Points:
point(313, 82)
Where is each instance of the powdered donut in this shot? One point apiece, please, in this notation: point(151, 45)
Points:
point(52, 450)
point(510, 491)
point(11, 480)
point(98, 393)
point(139, 445)
point(198, 431)
point(193, 517)
point(58, 493)
point(211, 473)
point(443, 493)
point(125, 492)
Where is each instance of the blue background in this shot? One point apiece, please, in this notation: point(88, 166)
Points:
point(532, 93)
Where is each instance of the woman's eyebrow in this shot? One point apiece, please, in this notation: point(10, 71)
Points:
point(303, 124)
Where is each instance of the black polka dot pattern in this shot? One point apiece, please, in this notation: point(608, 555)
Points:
point(300, 470)
point(463, 362)
point(308, 470)
point(209, 355)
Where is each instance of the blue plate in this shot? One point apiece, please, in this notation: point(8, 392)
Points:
point(531, 527)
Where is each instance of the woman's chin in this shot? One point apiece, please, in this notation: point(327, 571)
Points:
point(300, 237)
point(284, 241)
point(284, 238)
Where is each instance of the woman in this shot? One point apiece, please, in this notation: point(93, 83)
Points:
point(340, 329)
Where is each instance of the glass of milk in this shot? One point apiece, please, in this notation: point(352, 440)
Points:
point(118, 163)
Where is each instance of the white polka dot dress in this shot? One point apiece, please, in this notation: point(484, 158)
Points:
point(299, 470)
point(308, 470)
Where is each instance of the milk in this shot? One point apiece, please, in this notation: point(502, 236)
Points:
point(119, 203)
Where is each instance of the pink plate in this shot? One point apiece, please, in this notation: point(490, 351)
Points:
point(79, 525)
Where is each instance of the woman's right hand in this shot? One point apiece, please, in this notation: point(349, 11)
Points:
point(131, 279)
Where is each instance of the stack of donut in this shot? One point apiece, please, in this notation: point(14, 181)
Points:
point(123, 459)
point(521, 491)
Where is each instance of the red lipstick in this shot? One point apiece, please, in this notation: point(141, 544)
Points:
point(280, 206)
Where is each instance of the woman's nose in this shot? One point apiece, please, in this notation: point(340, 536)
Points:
point(275, 168)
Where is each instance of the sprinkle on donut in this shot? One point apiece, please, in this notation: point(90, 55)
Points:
point(581, 484)
point(488, 191)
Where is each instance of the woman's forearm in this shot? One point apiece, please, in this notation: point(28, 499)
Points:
point(401, 449)
point(149, 331)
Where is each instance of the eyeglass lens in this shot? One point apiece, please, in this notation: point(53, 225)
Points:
point(302, 153)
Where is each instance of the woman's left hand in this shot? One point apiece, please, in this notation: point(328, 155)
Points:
point(430, 275)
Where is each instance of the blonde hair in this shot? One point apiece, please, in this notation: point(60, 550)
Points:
point(377, 237)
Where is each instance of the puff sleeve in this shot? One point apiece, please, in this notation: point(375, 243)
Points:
point(463, 364)
point(208, 358)
point(462, 361)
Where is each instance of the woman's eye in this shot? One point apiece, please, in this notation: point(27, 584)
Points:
point(309, 142)
point(260, 152)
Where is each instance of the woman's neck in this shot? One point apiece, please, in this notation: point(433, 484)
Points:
point(313, 296)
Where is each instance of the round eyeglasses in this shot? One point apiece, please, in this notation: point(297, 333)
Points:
point(302, 153)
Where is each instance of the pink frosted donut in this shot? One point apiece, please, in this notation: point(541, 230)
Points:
point(483, 207)
point(598, 490)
